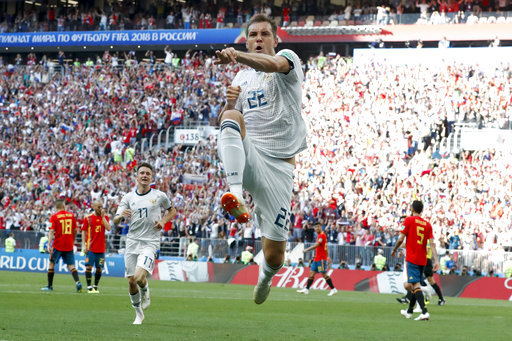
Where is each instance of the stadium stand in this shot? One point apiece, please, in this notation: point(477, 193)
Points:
point(373, 137)
point(27, 17)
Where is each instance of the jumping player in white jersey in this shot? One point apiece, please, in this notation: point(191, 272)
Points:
point(143, 209)
point(261, 131)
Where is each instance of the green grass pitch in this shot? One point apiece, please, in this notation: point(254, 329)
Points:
point(207, 311)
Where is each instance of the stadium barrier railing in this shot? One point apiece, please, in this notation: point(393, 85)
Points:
point(475, 260)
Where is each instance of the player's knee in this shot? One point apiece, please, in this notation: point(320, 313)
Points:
point(132, 281)
point(275, 260)
point(232, 114)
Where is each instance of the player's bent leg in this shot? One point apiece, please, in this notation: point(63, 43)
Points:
point(140, 278)
point(328, 280)
point(236, 116)
point(135, 298)
point(50, 275)
point(232, 153)
point(74, 273)
point(236, 207)
point(273, 261)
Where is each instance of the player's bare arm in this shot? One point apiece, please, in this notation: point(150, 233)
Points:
point(435, 266)
point(125, 215)
point(398, 243)
point(107, 225)
point(314, 246)
point(170, 215)
point(232, 94)
point(258, 61)
point(50, 240)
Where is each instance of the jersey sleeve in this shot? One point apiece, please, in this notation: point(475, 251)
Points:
point(123, 205)
point(165, 203)
point(295, 74)
point(52, 222)
point(85, 223)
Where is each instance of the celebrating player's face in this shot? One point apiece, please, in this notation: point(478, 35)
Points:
point(144, 176)
point(260, 38)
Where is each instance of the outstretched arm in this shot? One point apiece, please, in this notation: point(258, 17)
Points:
point(258, 61)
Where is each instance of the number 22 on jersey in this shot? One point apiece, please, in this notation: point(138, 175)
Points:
point(256, 98)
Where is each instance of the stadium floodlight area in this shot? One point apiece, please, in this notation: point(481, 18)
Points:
point(482, 56)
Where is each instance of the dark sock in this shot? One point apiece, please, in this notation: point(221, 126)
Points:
point(412, 302)
point(438, 291)
point(408, 295)
point(329, 282)
point(421, 300)
point(88, 276)
point(51, 273)
point(97, 277)
point(74, 273)
point(310, 282)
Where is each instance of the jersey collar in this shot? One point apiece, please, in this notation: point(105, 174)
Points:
point(136, 192)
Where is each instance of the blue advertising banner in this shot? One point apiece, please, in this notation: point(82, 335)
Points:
point(115, 38)
point(34, 261)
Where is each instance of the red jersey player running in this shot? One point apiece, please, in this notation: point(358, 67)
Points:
point(93, 235)
point(61, 240)
point(417, 232)
point(320, 261)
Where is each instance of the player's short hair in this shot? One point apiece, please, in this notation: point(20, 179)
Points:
point(145, 164)
point(417, 206)
point(59, 203)
point(262, 18)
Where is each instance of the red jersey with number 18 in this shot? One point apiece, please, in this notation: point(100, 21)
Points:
point(64, 225)
point(417, 231)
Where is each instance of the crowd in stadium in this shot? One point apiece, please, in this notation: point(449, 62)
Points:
point(160, 15)
point(372, 137)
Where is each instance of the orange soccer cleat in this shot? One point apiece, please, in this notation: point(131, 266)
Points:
point(235, 207)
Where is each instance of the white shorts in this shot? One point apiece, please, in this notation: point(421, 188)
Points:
point(139, 254)
point(270, 182)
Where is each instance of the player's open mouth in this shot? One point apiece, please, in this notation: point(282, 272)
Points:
point(259, 48)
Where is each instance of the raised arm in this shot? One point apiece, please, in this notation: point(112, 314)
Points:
point(258, 61)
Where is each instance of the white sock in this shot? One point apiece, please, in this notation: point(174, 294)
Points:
point(232, 154)
point(267, 272)
point(135, 298)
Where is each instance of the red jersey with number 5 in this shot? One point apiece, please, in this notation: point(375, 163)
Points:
point(64, 225)
point(321, 250)
point(417, 231)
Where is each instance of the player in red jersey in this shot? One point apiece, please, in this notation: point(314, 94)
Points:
point(320, 262)
point(61, 240)
point(417, 232)
point(93, 236)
